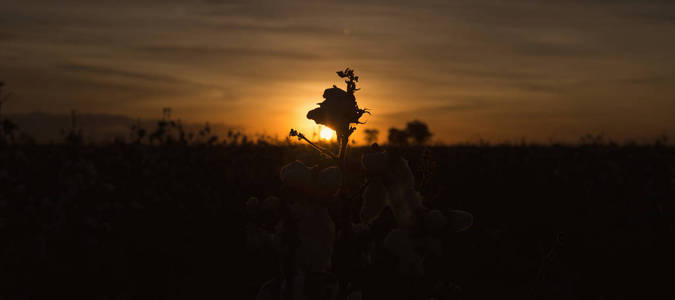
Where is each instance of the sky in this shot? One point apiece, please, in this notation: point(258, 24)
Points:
point(495, 70)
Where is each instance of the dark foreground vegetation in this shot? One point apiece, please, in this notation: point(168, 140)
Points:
point(134, 221)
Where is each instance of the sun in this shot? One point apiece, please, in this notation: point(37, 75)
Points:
point(326, 133)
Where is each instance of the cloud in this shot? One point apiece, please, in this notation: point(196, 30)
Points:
point(444, 109)
point(661, 16)
point(232, 53)
point(105, 71)
point(274, 27)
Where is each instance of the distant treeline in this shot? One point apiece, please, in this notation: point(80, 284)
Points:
point(41, 128)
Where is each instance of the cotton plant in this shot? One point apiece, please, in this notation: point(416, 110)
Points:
point(390, 183)
point(305, 235)
point(314, 213)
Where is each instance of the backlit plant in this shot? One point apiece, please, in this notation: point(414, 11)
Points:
point(313, 226)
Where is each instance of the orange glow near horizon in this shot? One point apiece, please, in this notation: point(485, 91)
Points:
point(232, 65)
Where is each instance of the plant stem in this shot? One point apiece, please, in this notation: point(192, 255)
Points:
point(322, 150)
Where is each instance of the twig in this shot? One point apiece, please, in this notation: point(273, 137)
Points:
point(315, 146)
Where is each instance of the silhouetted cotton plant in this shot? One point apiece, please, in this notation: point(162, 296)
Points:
point(316, 223)
point(338, 111)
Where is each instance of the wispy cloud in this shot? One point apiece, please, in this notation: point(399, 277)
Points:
point(106, 71)
point(238, 53)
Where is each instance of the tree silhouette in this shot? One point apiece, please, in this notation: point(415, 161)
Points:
point(371, 136)
point(2, 97)
point(7, 127)
point(418, 131)
point(398, 137)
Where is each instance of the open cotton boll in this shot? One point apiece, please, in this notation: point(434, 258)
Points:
point(404, 201)
point(394, 169)
point(316, 231)
point(374, 200)
point(398, 181)
point(460, 220)
point(399, 173)
point(329, 180)
point(435, 220)
point(296, 175)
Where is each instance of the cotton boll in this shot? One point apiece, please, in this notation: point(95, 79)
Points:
point(296, 175)
point(375, 163)
point(329, 180)
point(404, 202)
point(435, 220)
point(460, 220)
point(374, 200)
point(399, 173)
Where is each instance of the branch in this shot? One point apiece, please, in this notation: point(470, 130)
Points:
point(315, 146)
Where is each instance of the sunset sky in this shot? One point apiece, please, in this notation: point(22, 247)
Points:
point(497, 70)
